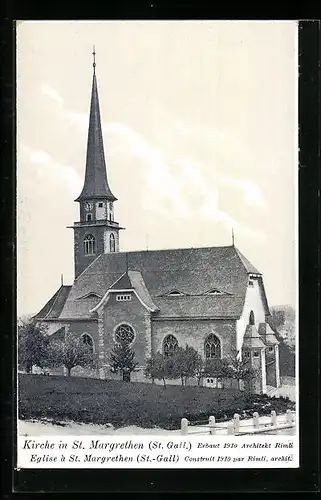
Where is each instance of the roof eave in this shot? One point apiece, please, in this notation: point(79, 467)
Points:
point(84, 197)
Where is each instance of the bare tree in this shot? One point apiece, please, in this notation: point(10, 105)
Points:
point(71, 352)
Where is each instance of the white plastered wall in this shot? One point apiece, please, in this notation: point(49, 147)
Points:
point(253, 302)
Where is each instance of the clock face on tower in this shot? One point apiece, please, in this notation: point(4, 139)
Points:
point(88, 205)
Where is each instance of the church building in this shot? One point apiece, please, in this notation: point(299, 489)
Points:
point(210, 298)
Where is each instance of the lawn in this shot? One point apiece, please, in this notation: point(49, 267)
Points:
point(124, 403)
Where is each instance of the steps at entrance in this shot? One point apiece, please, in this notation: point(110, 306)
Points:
point(271, 391)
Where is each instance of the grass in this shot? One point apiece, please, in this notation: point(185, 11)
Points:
point(121, 403)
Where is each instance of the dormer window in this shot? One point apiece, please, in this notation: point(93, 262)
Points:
point(215, 292)
point(90, 295)
point(175, 293)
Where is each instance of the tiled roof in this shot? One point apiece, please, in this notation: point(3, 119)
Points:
point(54, 306)
point(252, 338)
point(139, 285)
point(246, 263)
point(192, 271)
point(268, 334)
point(131, 280)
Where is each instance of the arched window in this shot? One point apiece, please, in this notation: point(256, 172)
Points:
point(111, 216)
point(212, 347)
point(89, 245)
point(124, 333)
point(251, 318)
point(112, 246)
point(89, 217)
point(88, 341)
point(170, 345)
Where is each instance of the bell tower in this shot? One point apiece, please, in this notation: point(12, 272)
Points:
point(97, 231)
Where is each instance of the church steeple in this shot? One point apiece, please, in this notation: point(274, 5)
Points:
point(96, 232)
point(96, 183)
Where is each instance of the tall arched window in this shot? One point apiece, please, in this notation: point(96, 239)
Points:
point(212, 347)
point(124, 333)
point(89, 245)
point(170, 344)
point(251, 318)
point(88, 217)
point(112, 245)
point(88, 341)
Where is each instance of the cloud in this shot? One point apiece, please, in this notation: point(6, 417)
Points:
point(46, 164)
point(42, 157)
point(52, 93)
point(251, 192)
point(197, 179)
point(80, 120)
point(162, 185)
point(171, 179)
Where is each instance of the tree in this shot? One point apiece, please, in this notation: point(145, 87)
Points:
point(200, 371)
point(122, 360)
point(156, 368)
point(33, 343)
point(185, 363)
point(238, 369)
point(215, 367)
point(70, 352)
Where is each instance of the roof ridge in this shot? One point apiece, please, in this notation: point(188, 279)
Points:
point(170, 249)
point(249, 267)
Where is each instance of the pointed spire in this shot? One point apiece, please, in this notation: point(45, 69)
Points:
point(96, 183)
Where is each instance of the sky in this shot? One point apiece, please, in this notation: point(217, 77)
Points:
point(200, 132)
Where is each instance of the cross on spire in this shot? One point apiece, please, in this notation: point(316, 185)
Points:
point(94, 62)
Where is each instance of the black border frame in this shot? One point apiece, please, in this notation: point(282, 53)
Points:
point(304, 479)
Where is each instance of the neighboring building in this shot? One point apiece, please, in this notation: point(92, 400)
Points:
point(210, 298)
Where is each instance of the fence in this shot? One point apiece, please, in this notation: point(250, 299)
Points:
point(238, 427)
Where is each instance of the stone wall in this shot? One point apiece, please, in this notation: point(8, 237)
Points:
point(134, 314)
point(81, 260)
point(194, 333)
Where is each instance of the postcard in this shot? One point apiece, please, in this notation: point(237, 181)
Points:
point(157, 244)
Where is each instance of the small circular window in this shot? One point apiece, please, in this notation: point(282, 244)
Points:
point(124, 333)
